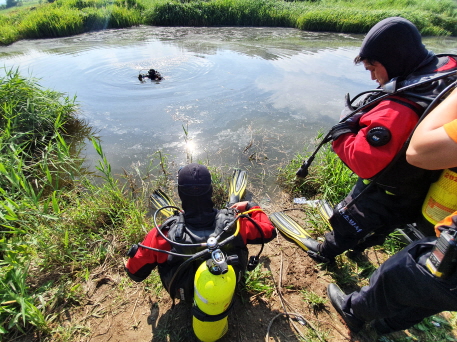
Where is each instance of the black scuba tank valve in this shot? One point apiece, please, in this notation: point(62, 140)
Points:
point(233, 260)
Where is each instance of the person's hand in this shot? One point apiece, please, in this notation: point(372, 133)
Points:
point(240, 206)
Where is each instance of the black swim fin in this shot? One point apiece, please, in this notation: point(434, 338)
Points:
point(286, 225)
point(237, 187)
point(160, 199)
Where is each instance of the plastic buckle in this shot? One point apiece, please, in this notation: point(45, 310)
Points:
point(253, 262)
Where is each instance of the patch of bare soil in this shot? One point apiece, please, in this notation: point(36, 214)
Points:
point(117, 309)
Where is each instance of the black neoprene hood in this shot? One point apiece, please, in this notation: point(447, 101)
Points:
point(195, 191)
point(395, 43)
point(194, 179)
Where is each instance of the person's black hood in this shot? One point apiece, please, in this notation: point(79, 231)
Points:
point(195, 191)
point(397, 44)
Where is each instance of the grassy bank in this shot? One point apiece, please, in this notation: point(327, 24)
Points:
point(58, 223)
point(61, 226)
point(70, 17)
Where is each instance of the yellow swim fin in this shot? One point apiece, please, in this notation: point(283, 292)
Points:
point(237, 187)
point(160, 199)
point(286, 225)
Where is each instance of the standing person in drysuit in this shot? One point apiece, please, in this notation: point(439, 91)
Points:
point(200, 221)
point(371, 142)
point(404, 290)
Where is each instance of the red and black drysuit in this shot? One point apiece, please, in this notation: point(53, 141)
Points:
point(144, 261)
point(398, 190)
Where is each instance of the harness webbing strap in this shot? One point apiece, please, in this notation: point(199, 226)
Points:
point(204, 317)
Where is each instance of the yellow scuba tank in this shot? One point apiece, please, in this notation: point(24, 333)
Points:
point(441, 199)
point(214, 286)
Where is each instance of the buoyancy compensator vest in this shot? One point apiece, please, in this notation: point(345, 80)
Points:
point(400, 177)
point(183, 233)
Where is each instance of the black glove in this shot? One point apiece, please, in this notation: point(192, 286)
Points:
point(350, 125)
point(348, 109)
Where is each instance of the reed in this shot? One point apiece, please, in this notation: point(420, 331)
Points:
point(34, 161)
point(219, 13)
point(69, 17)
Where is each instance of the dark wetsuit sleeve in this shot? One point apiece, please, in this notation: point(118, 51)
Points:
point(251, 233)
point(140, 266)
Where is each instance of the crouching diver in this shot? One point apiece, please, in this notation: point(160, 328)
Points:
point(421, 280)
point(198, 221)
point(371, 139)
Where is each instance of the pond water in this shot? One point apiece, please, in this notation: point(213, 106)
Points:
point(246, 97)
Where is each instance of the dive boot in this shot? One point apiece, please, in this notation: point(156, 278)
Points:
point(311, 244)
point(316, 256)
point(313, 251)
point(337, 298)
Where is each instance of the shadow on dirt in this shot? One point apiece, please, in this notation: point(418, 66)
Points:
point(175, 325)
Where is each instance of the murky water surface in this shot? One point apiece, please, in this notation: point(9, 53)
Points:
point(251, 97)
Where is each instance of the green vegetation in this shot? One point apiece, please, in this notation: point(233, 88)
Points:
point(328, 177)
point(316, 302)
point(57, 221)
point(259, 281)
point(70, 17)
point(35, 166)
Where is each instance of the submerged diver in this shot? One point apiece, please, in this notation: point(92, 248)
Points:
point(152, 74)
point(201, 220)
point(389, 192)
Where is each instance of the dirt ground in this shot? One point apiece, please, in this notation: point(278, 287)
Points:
point(116, 309)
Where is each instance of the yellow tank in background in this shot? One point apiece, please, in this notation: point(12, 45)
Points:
point(441, 199)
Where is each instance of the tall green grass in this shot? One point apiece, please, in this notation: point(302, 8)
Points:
point(328, 177)
point(65, 18)
point(219, 13)
point(34, 162)
point(57, 222)
point(69, 17)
